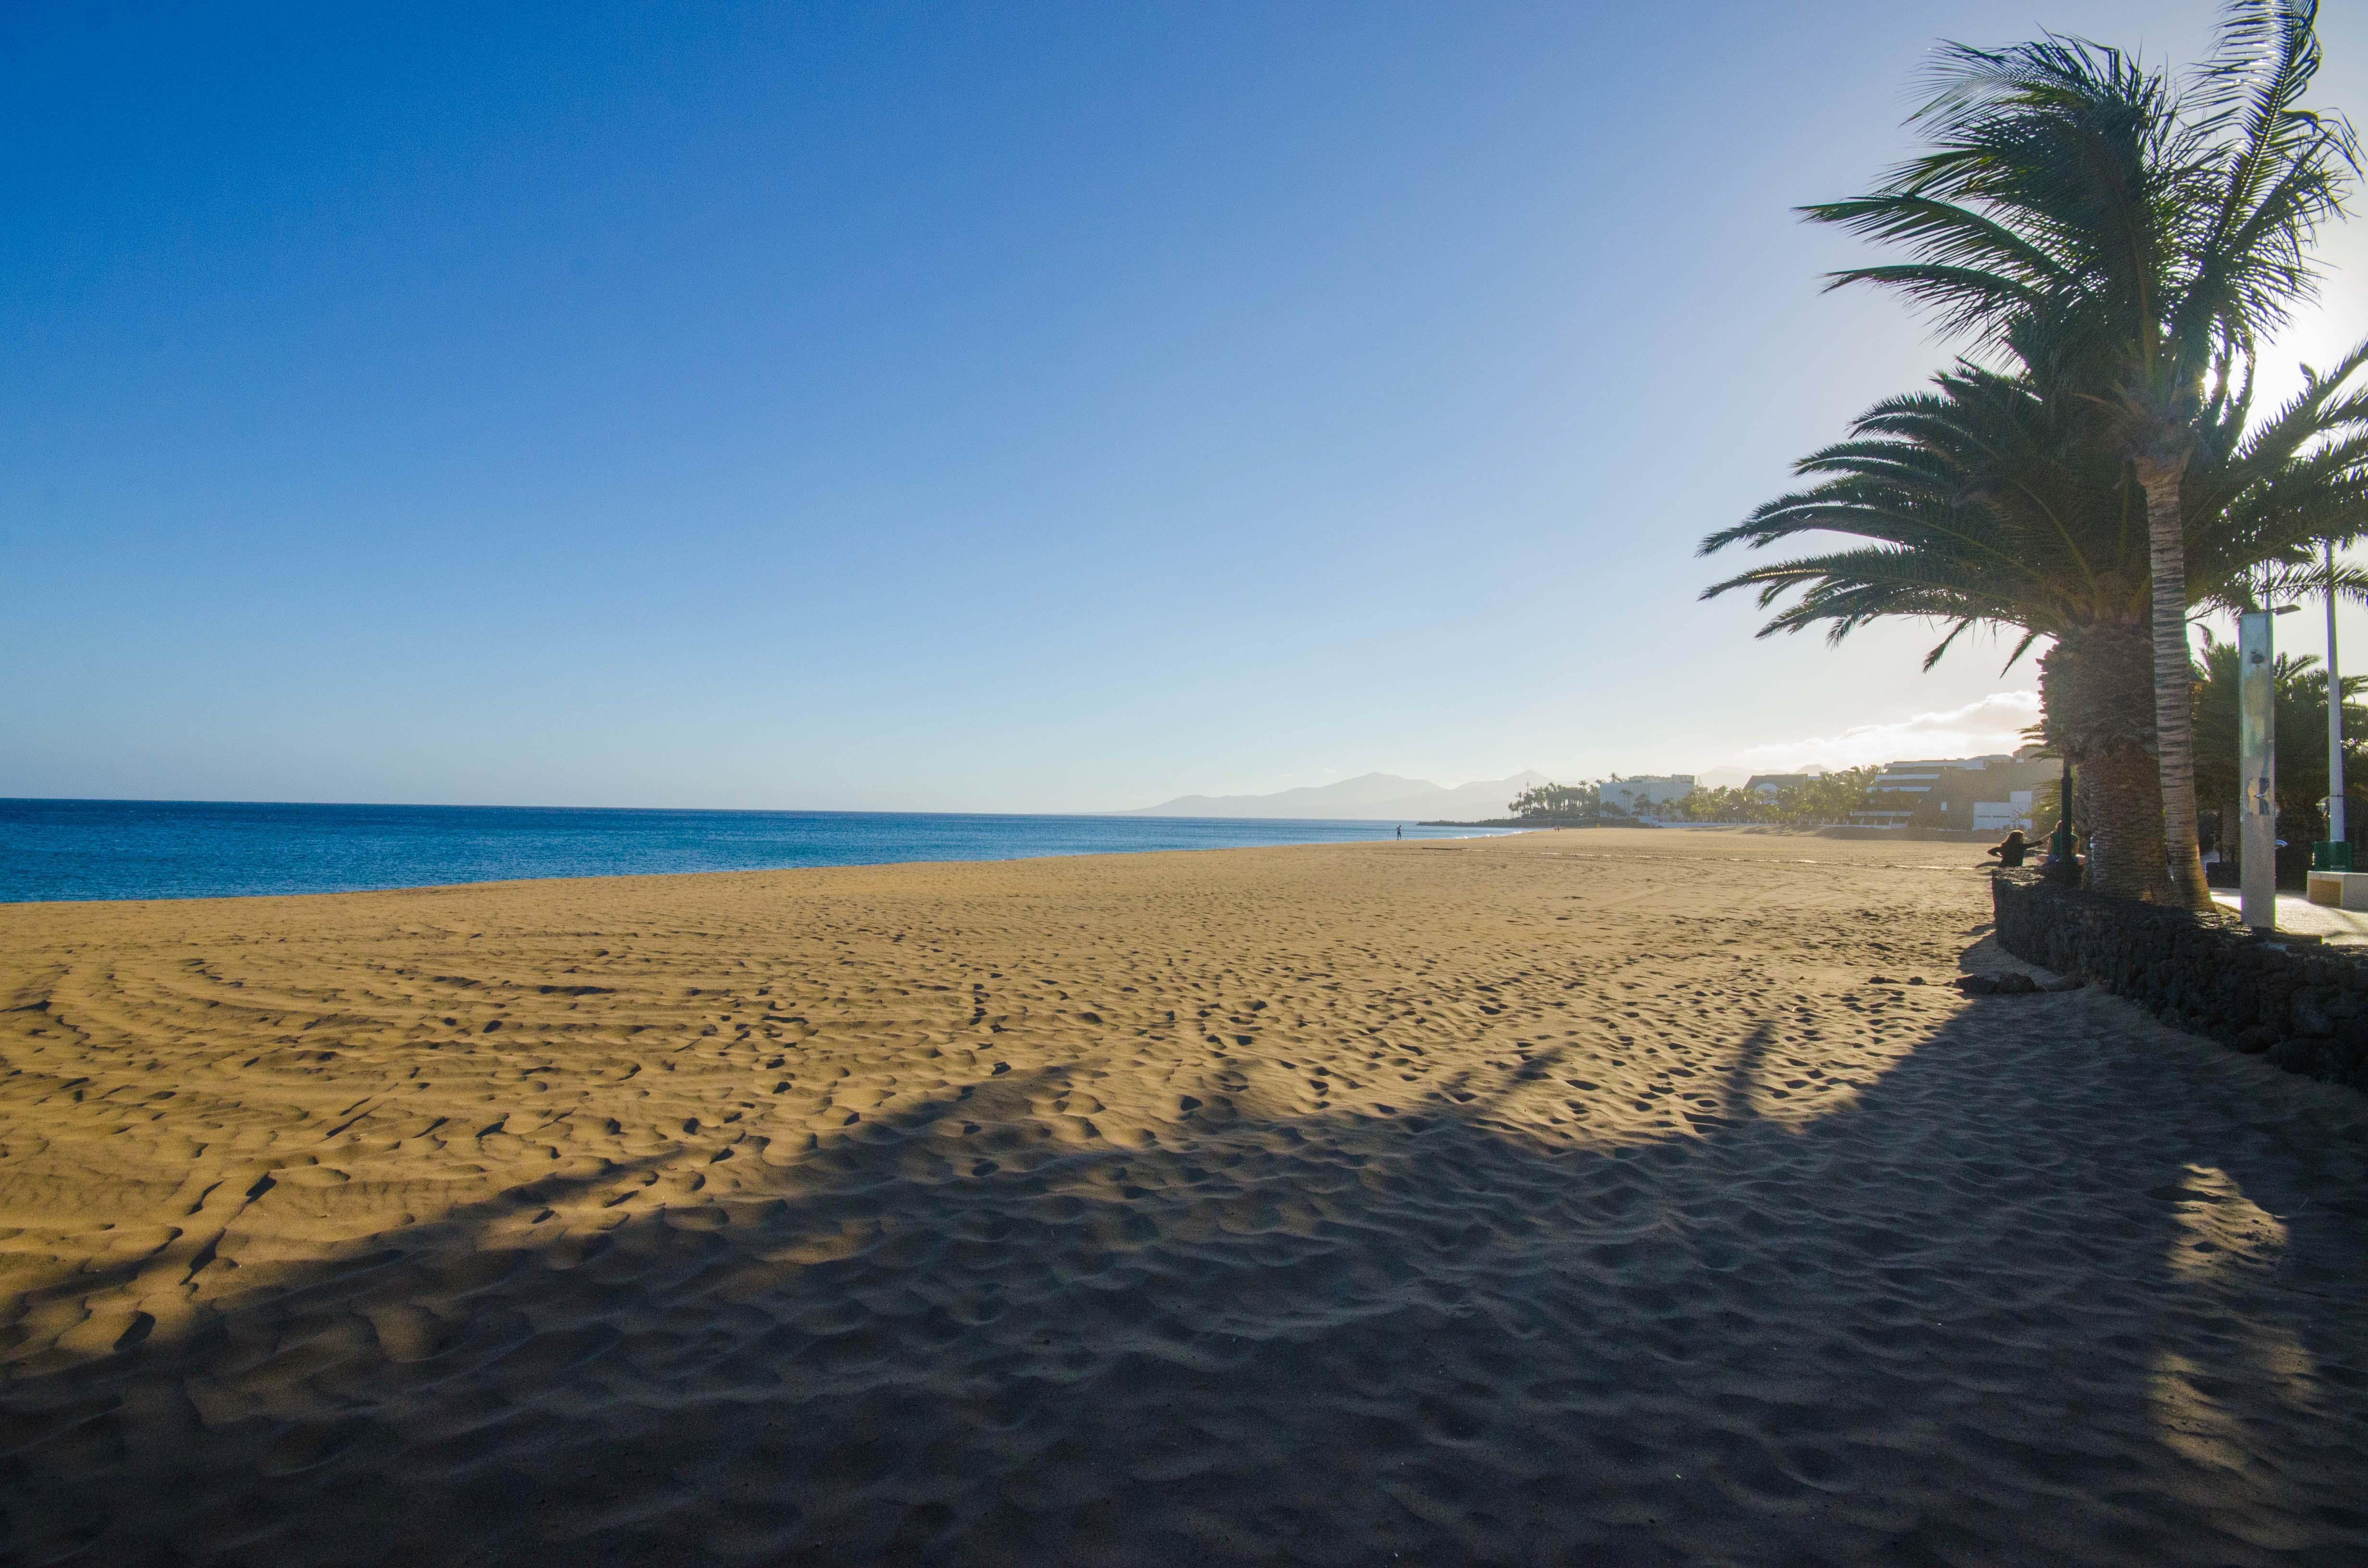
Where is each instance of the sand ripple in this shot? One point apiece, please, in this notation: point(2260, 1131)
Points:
point(1574, 1198)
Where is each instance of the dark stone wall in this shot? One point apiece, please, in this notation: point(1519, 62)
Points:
point(1923, 834)
point(2302, 1006)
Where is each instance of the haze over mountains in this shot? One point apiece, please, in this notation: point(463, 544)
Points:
point(1372, 796)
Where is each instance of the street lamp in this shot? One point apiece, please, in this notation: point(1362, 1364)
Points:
point(2257, 760)
point(2335, 855)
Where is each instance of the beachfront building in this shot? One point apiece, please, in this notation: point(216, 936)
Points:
point(1637, 797)
point(1767, 786)
point(1998, 816)
point(1983, 794)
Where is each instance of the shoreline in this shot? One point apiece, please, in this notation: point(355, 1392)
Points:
point(628, 876)
point(58, 852)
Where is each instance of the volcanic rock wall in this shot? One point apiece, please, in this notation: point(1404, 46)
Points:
point(2302, 1006)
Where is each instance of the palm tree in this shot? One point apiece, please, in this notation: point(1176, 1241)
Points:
point(1987, 501)
point(1552, 800)
point(2150, 235)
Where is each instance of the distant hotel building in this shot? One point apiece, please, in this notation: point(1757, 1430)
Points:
point(1988, 794)
point(1771, 785)
point(1636, 797)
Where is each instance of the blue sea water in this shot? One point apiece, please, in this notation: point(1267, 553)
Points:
point(85, 850)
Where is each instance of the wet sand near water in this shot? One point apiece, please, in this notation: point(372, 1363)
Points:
point(1573, 1197)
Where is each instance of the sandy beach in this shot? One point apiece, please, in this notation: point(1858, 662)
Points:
point(1578, 1197)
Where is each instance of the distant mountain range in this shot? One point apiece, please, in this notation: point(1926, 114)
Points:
point(1373, 797)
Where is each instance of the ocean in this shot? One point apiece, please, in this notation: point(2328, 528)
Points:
point(85, 849)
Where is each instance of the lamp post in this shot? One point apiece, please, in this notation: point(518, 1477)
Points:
point(2257, 762)
point(2257, 759)
point(2338, 855)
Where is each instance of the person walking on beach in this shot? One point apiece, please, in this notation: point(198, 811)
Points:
point(2010, 850)
point(1401, 832)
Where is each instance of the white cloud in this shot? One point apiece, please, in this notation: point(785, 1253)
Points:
point(1995, 723)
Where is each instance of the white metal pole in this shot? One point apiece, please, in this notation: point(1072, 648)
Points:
point(2335, 825)
point(2256, 756)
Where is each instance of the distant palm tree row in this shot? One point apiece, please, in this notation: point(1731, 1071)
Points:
point(2299, 683)
point(1814, 803)
point(2114, 246)
point(1819, 801)
point(1557, 800)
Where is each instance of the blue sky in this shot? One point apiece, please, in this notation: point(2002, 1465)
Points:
point(997, 408)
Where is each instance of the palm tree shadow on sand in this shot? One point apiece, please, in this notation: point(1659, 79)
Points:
point(2029, 1297)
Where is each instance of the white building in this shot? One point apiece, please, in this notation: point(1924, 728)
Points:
point(1901, 788)
point(1985, 793)
point(1767, 786)
point(1999, 816)
point(1637, 797)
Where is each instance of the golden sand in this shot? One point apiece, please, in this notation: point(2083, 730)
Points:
point(1572, 1197)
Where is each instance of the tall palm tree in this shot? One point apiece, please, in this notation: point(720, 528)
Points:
point(1987, 501)
point(2152, 233)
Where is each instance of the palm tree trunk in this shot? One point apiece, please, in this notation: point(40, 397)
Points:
point(2174, 677)
point(2125, 833)
point(2097, 686)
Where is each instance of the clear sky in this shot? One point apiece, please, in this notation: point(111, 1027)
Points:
point(1002, 408)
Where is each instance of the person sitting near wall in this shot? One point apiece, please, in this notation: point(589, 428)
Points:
point(2010, 850)
point(2065, 869)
